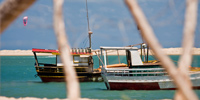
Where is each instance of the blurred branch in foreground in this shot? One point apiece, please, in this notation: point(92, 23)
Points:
point(10, 10)
point(188, 42)
point(148, 34)
point(72, 83)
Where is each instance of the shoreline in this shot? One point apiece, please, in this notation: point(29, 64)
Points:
point(168, 51)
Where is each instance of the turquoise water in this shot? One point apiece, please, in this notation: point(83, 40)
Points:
point(17, 80)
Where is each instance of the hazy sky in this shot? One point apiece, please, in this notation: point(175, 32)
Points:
point(110, 21)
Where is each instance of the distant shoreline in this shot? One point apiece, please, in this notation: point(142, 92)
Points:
point(168, 51)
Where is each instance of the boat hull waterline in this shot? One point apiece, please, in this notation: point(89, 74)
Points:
point(167, 84)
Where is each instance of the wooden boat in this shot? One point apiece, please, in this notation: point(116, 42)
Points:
point(139, 75)
point(52, 71)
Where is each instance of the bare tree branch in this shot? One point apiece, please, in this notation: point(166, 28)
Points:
point(148, 35)
point(10, 10)
point(64, 48)
point(188, 39)
point(188, 42)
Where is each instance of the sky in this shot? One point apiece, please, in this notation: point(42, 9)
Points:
point(110, 22)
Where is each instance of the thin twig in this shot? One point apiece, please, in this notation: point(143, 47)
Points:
point(188, 39)
point(148, 35)
point(63, 45)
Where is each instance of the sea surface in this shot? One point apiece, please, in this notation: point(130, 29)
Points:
point(17, 79)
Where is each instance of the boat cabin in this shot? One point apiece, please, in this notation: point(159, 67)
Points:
point(135, 74)
point(49, 64)
point(133, 58)
point(82, 61)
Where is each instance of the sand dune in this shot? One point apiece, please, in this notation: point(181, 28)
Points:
point(19, 53)
point(168, 51)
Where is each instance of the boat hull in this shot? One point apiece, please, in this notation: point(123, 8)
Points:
point(134, 86)
point(52, 79)
point(83, 77)
point(140, 86)
point(145, 82)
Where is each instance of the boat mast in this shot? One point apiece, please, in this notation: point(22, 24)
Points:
point(90, 46)
point(89, 31)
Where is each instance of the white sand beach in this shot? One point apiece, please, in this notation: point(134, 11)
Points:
point(168, 51)
point(18, 53)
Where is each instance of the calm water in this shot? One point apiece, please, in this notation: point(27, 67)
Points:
point(17, 80)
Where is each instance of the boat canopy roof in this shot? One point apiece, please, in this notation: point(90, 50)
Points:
point(119, 48)
point(44, 51)
point(56, 52)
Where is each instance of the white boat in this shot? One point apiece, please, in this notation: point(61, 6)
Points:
point(138, 75)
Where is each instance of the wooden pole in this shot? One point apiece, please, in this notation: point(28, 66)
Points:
point(143, 46)
point(118, 56)
point(141, 51)
point(90, 41)
point(36, 60)
point(107, 57)
point(99, 57)
point(147, 60)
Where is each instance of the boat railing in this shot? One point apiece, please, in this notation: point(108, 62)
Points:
point(140, 73)
point(53, 68)
point(195, 75)
point(134, 72)
point(135, 69)
point(49, 69)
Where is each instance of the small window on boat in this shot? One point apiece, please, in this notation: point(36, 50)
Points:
point(59, 63)
point(58, 59)
point(47, 60)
